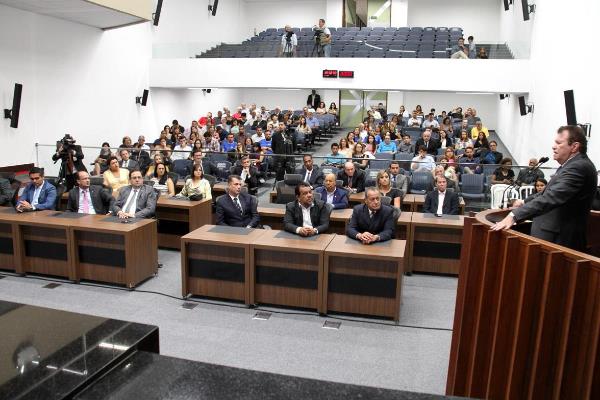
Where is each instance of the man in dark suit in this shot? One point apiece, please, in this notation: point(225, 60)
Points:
point(71, 157)
point(88, 199)
point(283, 143)
point(372, 222)
point(331, 194)
point(313, 100)
point(353, 180)
point(311, 173)
point(560, 213)
point(37, 195)
point(431, 145)
point(248, 174)
point(127, 162)
point(441, 201)
point(236, 208)
point(136, 200)
point(306, 216)
point(208, 167)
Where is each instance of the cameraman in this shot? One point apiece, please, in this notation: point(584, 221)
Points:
point(70, 156)
point(460, 50)
point(322, 39)
point(289, 43)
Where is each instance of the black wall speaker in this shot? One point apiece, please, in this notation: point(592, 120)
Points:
point(145, 97)
point(570, 107)
point(525, 5)
point(214, 7)
point(522, 105)
point(157, 13)
point(506, 5)
point(13, 113)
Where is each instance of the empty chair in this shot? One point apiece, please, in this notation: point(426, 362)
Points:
point(393, 54)
point(420, 182)
point(371, 177)
point(411, 46)
point(286, 188)
point(182, 167)
point(472, 186)
point(361, 53)
point(223, 168)
point(409, 54)
point(380, 163)
point(441, 54)
point(425, 54)
point(377, 54)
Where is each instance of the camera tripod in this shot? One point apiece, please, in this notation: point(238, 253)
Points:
point(317, 49)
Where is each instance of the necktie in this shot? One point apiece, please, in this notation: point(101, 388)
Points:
point(131, 203)
point(307, 176)
point(238, 205)
point(350, 181)
point(86, 202)
point(393, 178)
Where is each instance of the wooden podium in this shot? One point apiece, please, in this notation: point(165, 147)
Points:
point(527, 317)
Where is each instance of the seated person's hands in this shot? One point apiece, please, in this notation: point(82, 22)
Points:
point(124, 215)
point(24, 206)
point(306, 231)
point(367, 237)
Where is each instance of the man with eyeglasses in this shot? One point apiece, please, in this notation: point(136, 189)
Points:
point(38, 195)
point(136, 200)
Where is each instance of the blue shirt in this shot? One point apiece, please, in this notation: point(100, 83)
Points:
point(386, 148)
point(335, 158)
point(312, 122)
point(266, 143)
point(228, 146)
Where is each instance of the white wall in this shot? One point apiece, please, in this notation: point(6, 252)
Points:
point(515, 32)
point(76, 79)
point(335, 12)
point(551, 74)
point(478, 18)
point(399, 13)
point(296, 99)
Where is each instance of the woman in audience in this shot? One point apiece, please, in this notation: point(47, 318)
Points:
point(257, 155)
point(115, 177)
point(344, 148)
point(196, 185)
point(444, 140)
point(360, 157)
point(101, 164)
point(449, 171)
point(162, 181)
point(197, 146)
point(403, 113)
point(463, 141)
point(481, 143)
point(371, 145)
point(396, 120)
point(163, 149)
point(126, 143)
point(446, 125)
point(385, 188)
point(248, 145)
point(235, 127)
point(482, 54)
point(322, 109)
point(440, 170)
point(504, 173)
point(351, 138)
point(419, 110)
point(303, 129)
point(157, 159)
point(450, 156)
point(333, 111)
point(193, 135)
point(167, 131)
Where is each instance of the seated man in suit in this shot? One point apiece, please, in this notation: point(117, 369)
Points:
point(208, 167)
point(39, 194)
point(441, 201)
point(136, 200)
point(126, 161)
point(372, 222)
point(331, 194)
point(353, 180)
point(236, 208)
point(397, 178)
point(311, 173)
point(431, 145)
point(248, 173)
point(306, 216)
point(87, 199)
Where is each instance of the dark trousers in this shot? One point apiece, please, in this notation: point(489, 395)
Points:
point(283, 165)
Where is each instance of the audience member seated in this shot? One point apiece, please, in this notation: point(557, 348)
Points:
point(126, 162)
point(248, 174)
point(385, 187)
point(331, 194)
point(449, 172)
point(86, 199)
point(353, 180)
point(387, 146)
point(306, 216)
point(441, 201)
point(439, 170)
point(162, 181)
point(459, 50)
point(236, 208)
point(478, 128)
point(158, 158)
point(182, 150)
point(414, 120)
point(445, 141)
point(311, 173)
point(482, 53)
point(481, 144)
point(398, 179)
point(335, 158)
point(463, 141)
point(491, 156)
point(196, 187)
point(39, 194)
point(422, 161)
point(101, 164)
point(527, 176)
point(406, 146)
point(360, 157)
point(371, 144)
point(166, 135)
point(135, 200)
point(539, 185)
point(468, 163)
point(372, 221)
point(504, 173)
point(446, 125)
point(210, 142)
point(6, 192)
point(431, 145)
point(163, 149)
point(115, 177)
point(431, 122)
point(345, 149)
point(229, 143)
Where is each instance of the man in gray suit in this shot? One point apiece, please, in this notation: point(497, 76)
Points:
point(397, 179)
point(560, 213)
point(127, 162)
point(136, 200)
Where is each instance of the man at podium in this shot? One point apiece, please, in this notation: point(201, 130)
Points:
point(560, 212)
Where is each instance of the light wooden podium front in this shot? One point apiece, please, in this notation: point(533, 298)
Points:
point(364, 279)
point(287, 269)
point(178, 217)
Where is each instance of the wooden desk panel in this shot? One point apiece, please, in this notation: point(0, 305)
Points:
point(287, 269)
point(180, 217)
point(363, 279)
point(215, 262)
point(436, 243)
point(7, 247)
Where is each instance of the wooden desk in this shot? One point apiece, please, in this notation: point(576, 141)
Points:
point(180, 217)
point(77, 246)
point(418, 200)
point(363, 279)
point(272, 215)
point(435, 243)
point(215, 262)
point(356, 198)
point(287, 269)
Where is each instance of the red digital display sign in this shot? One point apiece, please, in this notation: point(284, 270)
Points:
point(346, 74)
point(330, 73)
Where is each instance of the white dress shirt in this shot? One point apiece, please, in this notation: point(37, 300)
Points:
point(36, 196)
point(441, 197)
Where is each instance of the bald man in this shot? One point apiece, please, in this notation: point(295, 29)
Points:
point(331, 194)
point(353, 180)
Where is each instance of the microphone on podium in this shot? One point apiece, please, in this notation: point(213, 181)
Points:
point(517, 183)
